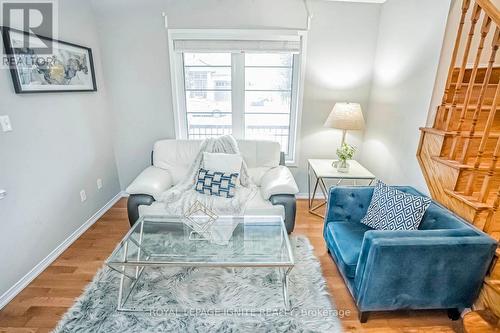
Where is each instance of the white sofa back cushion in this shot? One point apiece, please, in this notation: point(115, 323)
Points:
point(227, 163)
point(176, 156)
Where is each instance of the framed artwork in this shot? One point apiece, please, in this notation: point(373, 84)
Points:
point(66, 67)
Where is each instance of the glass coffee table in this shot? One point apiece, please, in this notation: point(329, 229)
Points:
point(163, 241)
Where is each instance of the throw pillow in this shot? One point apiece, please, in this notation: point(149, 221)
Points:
point(216, 183)
point(227, 163)
point(391, 209)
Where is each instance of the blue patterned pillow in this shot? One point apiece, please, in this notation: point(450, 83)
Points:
point(216, 183)
point(391, 209)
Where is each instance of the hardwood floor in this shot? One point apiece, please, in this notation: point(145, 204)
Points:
point(39, 307)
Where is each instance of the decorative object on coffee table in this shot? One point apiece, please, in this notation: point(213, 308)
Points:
point(322, 169)
point(200, 218)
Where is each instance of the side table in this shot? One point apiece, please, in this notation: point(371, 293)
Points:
point(322, 169)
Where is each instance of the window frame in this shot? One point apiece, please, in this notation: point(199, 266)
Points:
point(238, 79)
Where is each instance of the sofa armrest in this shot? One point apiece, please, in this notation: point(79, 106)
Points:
point(278, 180)
point(133, 203)
point(289, 203)
point(348, 203)
point(152, 181)
point(421, 269)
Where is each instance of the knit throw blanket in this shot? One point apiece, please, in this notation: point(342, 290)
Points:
point(182, 196)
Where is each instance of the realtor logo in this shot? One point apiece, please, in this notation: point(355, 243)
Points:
point(34, 17)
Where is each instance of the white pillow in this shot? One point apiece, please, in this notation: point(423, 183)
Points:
point(227, 163)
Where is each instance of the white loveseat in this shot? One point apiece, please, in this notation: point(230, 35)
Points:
point(171, 160)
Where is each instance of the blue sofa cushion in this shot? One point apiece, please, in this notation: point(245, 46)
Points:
point(391, 209)
point(345, 242)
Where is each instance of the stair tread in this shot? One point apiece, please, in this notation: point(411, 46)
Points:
point(472, 106)
point(469, 200)
point(437, 131)
point(484, 166)
point(478, 84)
point(477, 134)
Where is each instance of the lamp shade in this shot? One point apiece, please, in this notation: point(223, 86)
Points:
point(346, 116)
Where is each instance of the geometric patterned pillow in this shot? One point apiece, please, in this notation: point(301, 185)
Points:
point(216, 183)
point(391, 209)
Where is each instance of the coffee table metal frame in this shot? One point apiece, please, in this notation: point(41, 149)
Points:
point(125, 289)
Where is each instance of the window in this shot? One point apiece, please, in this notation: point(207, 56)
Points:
point(268, 97)
point(248, 88)
point(207, 89)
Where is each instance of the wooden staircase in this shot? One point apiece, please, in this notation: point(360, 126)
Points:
point(459, 155)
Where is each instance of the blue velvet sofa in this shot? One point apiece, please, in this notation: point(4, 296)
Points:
point(439, 266)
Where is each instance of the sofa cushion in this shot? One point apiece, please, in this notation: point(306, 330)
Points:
point(256, 206)
point(176, 156)
point(260, 153)
point(257, 173)
point(227, 163)
point(391, 209)
point(345, 241)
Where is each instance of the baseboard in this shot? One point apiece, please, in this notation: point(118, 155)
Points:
point(42, 265)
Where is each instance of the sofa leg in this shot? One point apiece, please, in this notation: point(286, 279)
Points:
point(453, 314)
point(363, 316)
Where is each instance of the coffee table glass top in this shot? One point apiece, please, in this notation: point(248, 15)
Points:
point(249, 241)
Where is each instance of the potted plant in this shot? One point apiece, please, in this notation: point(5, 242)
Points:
point(344, 153)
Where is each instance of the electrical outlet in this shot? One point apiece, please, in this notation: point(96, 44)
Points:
point(5, 123)
point(99, 183)
point(83, 195)
point(3, 194)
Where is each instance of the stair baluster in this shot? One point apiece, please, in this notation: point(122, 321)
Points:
point(489, 122)
point(485, 188)
point(484, 88)
point(441, 113)
point(470, 87)
point(476, 12)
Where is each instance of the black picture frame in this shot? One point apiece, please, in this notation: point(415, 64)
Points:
point(21, 88)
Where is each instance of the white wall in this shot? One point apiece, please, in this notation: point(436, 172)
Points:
point(135, 60)
point(60, 145)
point(341, 48)
point(408, 49)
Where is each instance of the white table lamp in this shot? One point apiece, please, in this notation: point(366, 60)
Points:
point(345, 116)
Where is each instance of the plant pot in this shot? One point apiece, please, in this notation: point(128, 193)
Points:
point(343, 166)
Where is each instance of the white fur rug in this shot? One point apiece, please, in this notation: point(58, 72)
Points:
point(208, 288)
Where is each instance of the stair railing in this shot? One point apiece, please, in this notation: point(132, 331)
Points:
point(482, 147)
point(442, 109)
point(476, 13)
point(485, 28)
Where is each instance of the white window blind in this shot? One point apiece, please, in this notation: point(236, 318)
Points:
point(238, 46)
